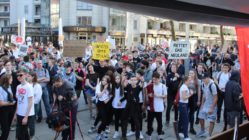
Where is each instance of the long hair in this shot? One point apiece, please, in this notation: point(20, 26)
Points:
point(34, 75)
point(195, 78)
point(4, 81)
point(108, 81)
point(118, 85)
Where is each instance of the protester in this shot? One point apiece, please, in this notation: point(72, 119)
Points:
point(25, 105)
point(208, 109)
point(156, 95)
point(7, 105)
point(232, 99)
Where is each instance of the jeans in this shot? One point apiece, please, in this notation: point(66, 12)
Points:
point(7, 114)
point(31, 125)
point(117, 114)
point(45, 98)
point(170, 100)
point(151, 116)
point(22, 132)
point(192, 108)
point(66, 133)
point(219, 104)
point(183, 119)
point(103, 115)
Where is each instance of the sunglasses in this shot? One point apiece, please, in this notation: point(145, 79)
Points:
point(19, 75)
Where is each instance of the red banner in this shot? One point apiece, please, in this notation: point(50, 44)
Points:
point(243, 42)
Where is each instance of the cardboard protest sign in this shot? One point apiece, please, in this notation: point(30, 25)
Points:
point(74, 48)
point(23, 49)
point(179, 50)
point(101, 51)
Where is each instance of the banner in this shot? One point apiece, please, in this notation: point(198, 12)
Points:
point(101, 51)
point(179, 50)
point(243, 43)
point(74, 48)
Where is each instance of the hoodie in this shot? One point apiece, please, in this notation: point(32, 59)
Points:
point(233, 91)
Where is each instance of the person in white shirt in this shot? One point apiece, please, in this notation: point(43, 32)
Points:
point(103, 90)
point(25, 105)
point(37, 89)
point(156, 94)
point(117, 105)
point(222, 79)
point(184, 94)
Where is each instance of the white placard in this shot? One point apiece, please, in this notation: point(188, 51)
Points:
point(23, 49)
point(179, 50)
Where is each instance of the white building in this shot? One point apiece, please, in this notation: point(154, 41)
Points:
point(4, 13)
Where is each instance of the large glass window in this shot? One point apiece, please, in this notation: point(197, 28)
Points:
point(84, 6)
point(84, 21)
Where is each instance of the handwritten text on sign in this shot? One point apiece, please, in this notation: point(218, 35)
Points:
point(101, 51)
point(179, 50)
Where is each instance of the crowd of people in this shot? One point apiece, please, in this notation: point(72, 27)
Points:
point(133, 86)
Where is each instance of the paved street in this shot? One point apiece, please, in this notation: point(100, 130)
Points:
point(44, 133)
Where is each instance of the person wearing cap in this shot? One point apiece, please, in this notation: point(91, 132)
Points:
point(208, 109)
point(65, 99)
point(25, 105)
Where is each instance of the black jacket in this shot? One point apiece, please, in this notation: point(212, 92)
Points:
point(172, 83)
point(233, 91)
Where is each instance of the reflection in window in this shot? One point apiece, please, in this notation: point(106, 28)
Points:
point(84, 6)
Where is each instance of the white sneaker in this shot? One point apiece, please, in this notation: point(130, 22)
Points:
point(116, 135)
point(181, 135)
point(187, 139)
point(160, 137)
point(92, 130)
point(202, 134)
point(131, 133)
point(149, 138)
point(141, 135)
point(107, 130)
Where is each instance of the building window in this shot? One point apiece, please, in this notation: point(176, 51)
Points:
point(135, 25)
point(5, 22)
point(6, 9)
point(193, 27)
point(37, 21)
point(84, 6)
point(182, 27)
point(84, 21)
point(165, 25)
point(26, 9)
point(37, 10)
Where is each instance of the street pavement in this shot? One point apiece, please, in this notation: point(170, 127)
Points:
point(85, 122)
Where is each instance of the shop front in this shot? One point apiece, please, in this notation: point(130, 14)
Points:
point(88, 34)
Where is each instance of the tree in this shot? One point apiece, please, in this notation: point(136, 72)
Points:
point(173, 34)
point(221, 36)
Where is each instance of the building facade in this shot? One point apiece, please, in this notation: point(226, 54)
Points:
point(4, 13)
point(94, 23)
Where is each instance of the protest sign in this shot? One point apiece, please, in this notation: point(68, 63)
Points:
point(23, 49)
point(179, 50)
point(101, 51)
point(74, 48)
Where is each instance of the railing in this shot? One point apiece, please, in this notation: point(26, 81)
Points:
point(242, 133)
point(4, 14)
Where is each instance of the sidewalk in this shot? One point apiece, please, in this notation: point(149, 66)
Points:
point(44, 133)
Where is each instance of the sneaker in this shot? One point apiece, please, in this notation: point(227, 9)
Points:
point(141, 135)
point(202, 133)
point(92, 130)
point(39, 120)
point(107, 130)
point(12, 128)
point(149, 138)
point(131, 133)
point(187, 139)
point(197, 121)
point(105, 135)
point(99, 137)
point(116, 135)
point(181, 135)
point(160, 137)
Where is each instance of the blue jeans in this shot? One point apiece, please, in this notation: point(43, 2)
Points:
point(45, 98)
point(183, 119)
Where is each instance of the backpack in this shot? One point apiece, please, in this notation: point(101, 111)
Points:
point(210, 87)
